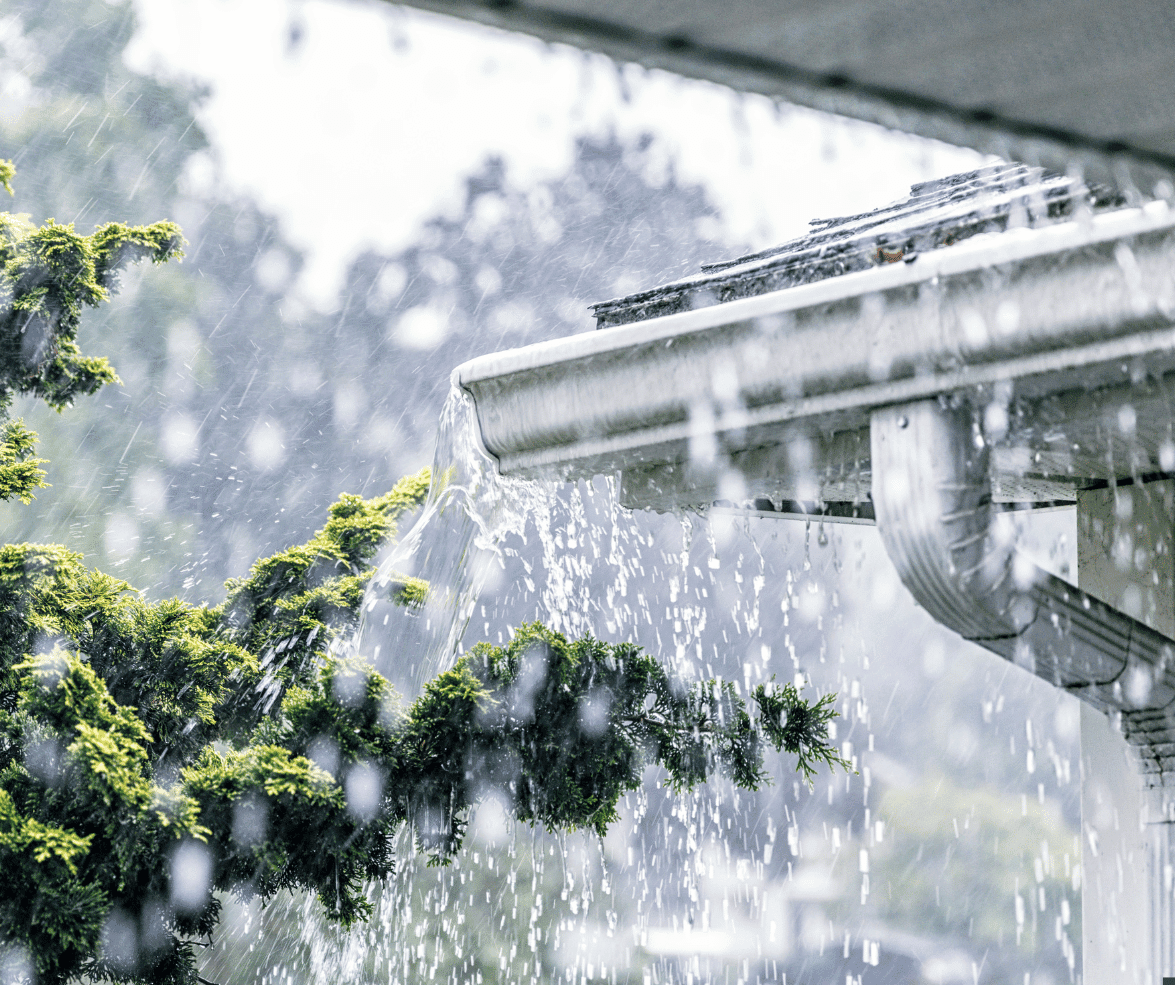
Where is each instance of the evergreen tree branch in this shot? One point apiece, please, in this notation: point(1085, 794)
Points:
point(147, 729)
point(20, 472)
point(48, 275)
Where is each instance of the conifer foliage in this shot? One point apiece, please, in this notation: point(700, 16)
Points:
point(153, 754)
point(48, 275)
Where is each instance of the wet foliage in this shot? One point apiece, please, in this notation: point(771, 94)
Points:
point(108, 776)
point(568, 727)
point(152, 752)
point(48, 275)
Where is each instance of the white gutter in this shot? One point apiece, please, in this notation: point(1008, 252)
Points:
point(1074, 301)
point(1067, 307)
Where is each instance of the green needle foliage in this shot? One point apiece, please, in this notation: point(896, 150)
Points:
point(152, 753)
point(20, 472)
point(48, 275)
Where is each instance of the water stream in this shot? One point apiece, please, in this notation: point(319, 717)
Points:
point(954, 840)
point(457, 546)
point(563, 554)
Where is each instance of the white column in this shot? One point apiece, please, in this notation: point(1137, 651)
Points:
point(1115, 917)
point(1124, 556)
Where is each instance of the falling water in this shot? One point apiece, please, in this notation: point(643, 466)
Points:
point(563, 554)
point(721, 885)
point(456, 547)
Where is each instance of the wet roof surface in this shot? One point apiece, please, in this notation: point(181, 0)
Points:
point(936, 214)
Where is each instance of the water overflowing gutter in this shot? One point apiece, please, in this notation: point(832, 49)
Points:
point(800, 392)
point(784, 383)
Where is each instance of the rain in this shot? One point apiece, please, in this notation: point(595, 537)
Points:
point(374, 196)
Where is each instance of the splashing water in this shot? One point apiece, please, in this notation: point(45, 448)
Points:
point(719, 885)
point(563, 554)
point(455, 546)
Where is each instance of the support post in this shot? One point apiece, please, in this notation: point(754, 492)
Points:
point(1125, 558)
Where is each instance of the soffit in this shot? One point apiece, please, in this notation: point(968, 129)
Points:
point(1048, 82)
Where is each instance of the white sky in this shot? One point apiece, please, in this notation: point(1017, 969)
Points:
point(370, 125)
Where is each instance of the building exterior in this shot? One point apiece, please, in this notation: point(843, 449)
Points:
point(1001, 340)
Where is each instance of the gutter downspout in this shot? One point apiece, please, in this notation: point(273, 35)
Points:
point(932, 498)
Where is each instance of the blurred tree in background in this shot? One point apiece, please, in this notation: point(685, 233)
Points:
point(1024, 853)
point(192, 470)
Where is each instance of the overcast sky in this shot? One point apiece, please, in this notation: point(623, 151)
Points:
point(368, 124)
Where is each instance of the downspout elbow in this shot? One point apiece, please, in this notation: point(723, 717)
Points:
point(932, 499)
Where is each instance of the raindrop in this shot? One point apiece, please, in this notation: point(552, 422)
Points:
point(266, 445)
point(120, 941)
point(250, 820)
point(121, 537)
point(421, 327)
point(323, 752)
point(191, 876)
point(364, 788)
point(179, 437)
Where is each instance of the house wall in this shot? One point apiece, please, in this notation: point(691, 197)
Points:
point(1124, 557)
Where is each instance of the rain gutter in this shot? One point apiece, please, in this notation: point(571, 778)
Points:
point(874, 386)
point(1049, 309)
